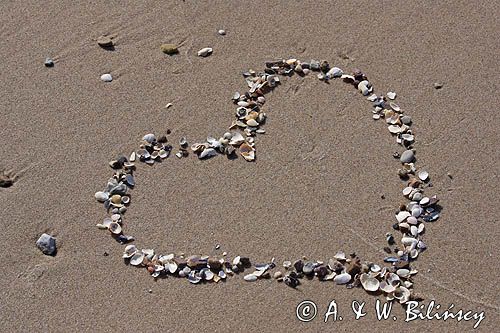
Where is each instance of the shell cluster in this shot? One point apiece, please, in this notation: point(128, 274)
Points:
point(393, 277)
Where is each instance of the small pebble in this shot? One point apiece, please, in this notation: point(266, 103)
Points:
point(278, 275)
point(47, 244)
point(49, 62)
point(222, 32)
point(106, 77)
point(438, 85)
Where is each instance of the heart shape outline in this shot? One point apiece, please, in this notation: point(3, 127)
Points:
point(394, 281)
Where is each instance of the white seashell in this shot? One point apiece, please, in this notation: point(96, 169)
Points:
point(334, 72)
point(375, 268)
point(421, 228)
point(407, 191)
point(393, 279)
point(416, 211)
point(207, 152)
point(130, 250)
point(149, 138)
point(403, 272)
point(236, 139)
point(394, 129)
point(414, 253)
point(343, 278)
point(414, 230)
point(115, 228)
point(424, 201)
point(423, 175)
point(101, 196)
point(372, 98)
point(402, 294)
point(137, 259)
point(101, 226)
point(365, 87)
point(106, 77)
point(252, 122)
point(412, 220)
point(340, 256)
point(205, 52)
point(391, 95)
point(395, 107)
point(250, 277)
point(386, 287)
point(409, 241)
point(369, 283)
point(402, 215)
point(132, 157)
point(149, 253)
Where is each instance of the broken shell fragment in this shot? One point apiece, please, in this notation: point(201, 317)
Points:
point(101, 196)
point(137, 259)
point(247, 152)
point(205, 52)
point(129, 251)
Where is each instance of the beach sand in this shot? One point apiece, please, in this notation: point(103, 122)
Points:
point(316, 187)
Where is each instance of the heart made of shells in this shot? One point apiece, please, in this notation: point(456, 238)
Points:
point(393, 277)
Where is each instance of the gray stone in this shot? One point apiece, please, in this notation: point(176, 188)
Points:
point(47, 244)
point(407, 156)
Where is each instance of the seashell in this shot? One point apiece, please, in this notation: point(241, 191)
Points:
point(213, 143)
point(101, 196)
point(194, 278)
point(287, 264)
point(247, 152)
point(420, 229)
point(335, 72)
point(372, 98)
point(414, 253)
point(394, 106)
point(132, 157)
point(403, 272)
point(407, 156)
point(48, 62)
point(365, 87)
point(207, 274)
point(412, 220)
point(391, 95)
point(116, 217)
point(198, 147)
point(106, 77)
point(125, 200)
point(402, 294)
point(250, 277)
point(205, 52)
point(386, 287)
point(409, 241)
point(340, 256)
point(243, 103)
point(207, 153)
point(408, 137)
point(130, 250)
point(115, 228)
point(423, 175)
point(101, 226)
point(402, 215)
point(343, 278)
point(414, 230)
point(149, 138)
point(252, 122)
point(116, 199)
point(169, 49)
point(394, 129)
point(424, 201)
point(120, 189)
point(137, 259)
point(392, 279)
point(375, 268)
point(369, 283)
point(107, 221)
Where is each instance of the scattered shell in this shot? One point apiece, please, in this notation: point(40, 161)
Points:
point(247, 152)
point(106, 77)
point(423, 175)
point(115, 228)
point(391, 95)
point(407, 156)
point(169, 49)
point(369, 283)
point(343, 278)
point(137, 259)
point(250, 277)
point(222, 32)
point(205, 52)
point(48, 62)
point(101, 196)
point(207, 153)
point(105, 41)
point(130, 250)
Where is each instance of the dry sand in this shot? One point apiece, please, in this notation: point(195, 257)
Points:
point(60, 127)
